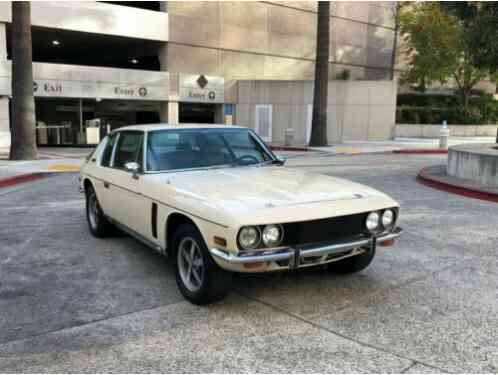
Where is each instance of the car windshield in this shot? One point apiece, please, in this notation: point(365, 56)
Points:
point(203, 148)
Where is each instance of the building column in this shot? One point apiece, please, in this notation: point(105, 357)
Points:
point(173, 113)
point(4, 100)
point(163, 112)
point(162, 55)
point(3, 42)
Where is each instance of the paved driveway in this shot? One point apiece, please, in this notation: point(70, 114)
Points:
point(72, 303)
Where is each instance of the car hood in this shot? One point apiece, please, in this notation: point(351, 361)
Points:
point(243, 190)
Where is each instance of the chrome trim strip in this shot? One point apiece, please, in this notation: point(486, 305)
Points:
point(304, 251)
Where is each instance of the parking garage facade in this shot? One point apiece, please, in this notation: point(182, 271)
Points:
point(101, 65)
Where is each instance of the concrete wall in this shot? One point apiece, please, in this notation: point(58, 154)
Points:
point(95, 17)
point(357, 110)
point(4, 125)
point(478, 163)
point(432, 130)
point(276, 40)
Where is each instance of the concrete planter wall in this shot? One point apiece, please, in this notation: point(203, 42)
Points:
point(478, 163)
point(432, 130)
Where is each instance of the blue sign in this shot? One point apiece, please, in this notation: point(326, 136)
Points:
point(229, 109)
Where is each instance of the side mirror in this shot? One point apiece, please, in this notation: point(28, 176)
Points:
point(280, 160)
point(133, 168)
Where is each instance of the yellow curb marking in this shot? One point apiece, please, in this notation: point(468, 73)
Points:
point(347, 150)
point(63, 168)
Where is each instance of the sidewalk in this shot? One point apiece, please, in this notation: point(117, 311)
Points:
point(363, 147)
point(50, 161)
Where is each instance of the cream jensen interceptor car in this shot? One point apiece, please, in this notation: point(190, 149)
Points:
point(217, 201)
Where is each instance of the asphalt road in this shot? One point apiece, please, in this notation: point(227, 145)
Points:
point(72, 303)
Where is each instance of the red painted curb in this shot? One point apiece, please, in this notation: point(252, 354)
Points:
point(16, 180)
point(426, 179)
point(290, 148)
point(421, 151)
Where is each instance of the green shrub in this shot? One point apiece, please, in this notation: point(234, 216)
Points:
point(434, 109)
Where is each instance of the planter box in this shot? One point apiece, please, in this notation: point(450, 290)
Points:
point(432, 130)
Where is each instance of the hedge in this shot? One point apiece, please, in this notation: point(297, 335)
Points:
point(434, 109)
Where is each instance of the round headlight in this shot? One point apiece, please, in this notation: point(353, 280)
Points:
point(387, 219)
point(372, 222)
point(272, 235)
point(249, 237)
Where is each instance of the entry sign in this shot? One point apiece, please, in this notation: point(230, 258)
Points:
point(201, 88)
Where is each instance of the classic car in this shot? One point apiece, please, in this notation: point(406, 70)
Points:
point(217, 200)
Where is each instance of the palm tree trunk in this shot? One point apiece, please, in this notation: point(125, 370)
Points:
point(320, 90)
point(395, 8)
point(23, 145)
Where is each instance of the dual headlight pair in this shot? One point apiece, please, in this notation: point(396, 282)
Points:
point(378, 220)
point(250, 237)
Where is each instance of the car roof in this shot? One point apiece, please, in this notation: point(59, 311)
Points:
point(163, 126)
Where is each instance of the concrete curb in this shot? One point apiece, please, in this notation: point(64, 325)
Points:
point(22, 178)
point(421, 151)
point(426, 178)
point(289, 148)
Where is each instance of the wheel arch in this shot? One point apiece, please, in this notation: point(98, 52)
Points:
point(87, 183)
point(174, 221)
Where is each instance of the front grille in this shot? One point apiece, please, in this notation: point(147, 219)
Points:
point(323, 230)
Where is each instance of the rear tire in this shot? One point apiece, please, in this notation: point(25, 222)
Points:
point(99, 226)
point(200, 280)
point(354, 264)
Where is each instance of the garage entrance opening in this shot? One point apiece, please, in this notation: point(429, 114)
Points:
point(197, 113)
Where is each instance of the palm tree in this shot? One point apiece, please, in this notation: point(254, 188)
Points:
point(320, 90)
point(23, 145)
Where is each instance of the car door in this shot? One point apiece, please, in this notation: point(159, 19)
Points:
point(100, 174)
point(127, 205)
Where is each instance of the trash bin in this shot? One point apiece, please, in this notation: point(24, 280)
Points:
point(289, 136)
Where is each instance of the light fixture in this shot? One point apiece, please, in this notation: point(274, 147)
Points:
point(272, 235)
point(372, 222)
point(55, 42)
point(388, 219)
point(249, 237)
point(134, 61)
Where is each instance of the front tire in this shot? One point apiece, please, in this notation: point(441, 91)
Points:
point(200, 280)
point(99, 226)
point(353, 264)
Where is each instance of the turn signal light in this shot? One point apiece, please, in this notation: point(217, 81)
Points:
point(220, 241)
point(386, 243)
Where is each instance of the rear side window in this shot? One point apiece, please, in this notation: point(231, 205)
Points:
point(106, 155)
point(128, 149)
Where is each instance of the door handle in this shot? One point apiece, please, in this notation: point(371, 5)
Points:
point(106, 185)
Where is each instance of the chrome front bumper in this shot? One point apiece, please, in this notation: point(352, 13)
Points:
point(297, 256)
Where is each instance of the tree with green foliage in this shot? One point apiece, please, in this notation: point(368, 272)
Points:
point(480, 20)
point(431, 37)
point(439, 50)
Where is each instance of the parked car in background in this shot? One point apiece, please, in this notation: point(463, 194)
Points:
point(217, 201)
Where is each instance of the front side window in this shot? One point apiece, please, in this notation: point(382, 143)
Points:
point(202, 148)
point(107, 154)
point(128, 149)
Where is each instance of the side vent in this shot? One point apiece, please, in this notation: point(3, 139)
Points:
point(154, 220)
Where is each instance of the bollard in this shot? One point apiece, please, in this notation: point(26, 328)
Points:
point(289, 136)
point(444, 134)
